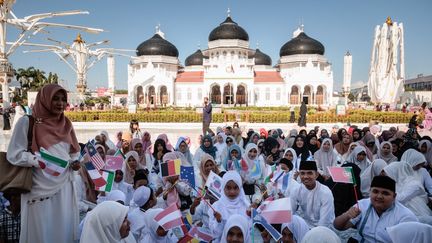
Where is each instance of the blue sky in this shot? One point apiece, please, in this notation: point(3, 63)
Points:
point(338, 25)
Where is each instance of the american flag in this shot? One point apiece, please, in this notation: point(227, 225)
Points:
point(95, 157)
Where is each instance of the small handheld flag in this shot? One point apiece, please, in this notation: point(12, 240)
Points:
point(258, 219)
point(95, 157)
point(170, 217)
point(113, 163)
point(95, 175)
point(108, 176)
point(342, 174)
point(170, 168)
point(187, 173)
point(214, 184)
point(50, 164)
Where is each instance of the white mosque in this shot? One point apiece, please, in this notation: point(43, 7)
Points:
point(230, 72)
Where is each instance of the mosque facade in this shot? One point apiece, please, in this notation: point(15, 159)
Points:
point(229, 72)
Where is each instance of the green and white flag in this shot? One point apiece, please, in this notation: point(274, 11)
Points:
point(109, 178)
point(51, 164)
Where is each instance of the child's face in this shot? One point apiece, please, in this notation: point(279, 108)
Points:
point(252, 154)
point(234, 153)
point(284, 167)
point(132, 163)
point(209, 166)
point(138, 148)
point(423, 148)
point(231, 190)
point(142, 182)
point(161, 232)
point(289, 156)
point(118, 177)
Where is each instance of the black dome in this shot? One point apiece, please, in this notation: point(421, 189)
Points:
point(195, 59)
point(262, 58)
point(157, 46)
point(228, 30)
point(302, 44)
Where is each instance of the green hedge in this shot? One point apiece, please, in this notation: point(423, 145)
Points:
point(353, 116)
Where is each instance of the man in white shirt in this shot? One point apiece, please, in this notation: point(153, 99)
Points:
point(373, 215)
point(314, 198)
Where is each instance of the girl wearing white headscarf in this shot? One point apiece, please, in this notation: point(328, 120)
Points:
point(151, 229)
point(130, 165)
point(106, 223)
point(416, 161)
point(326, 157)
point(185, 150)
point(298, 227)
point(226, 206)
point(353, 158)
point(256, 166)
point(369, 173)
point(221, 145)
point(410, 232)
point(108, 141)
point(240, 222)
point(388, 157)
point(426, 152)
point(410, 192)
point(321, 234)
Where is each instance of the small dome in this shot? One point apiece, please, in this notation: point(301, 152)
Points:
point(302, 44)
point(157, 46)
point(228, 30)
point(195, 59)
point(262, 59)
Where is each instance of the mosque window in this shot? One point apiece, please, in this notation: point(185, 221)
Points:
point(267, 93)
point(278, 94)
point(179, 94)
point(189, 94)
point(199, 94)
point(224, 53)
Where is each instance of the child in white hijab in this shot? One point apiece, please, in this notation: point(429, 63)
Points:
point(107, 222)
point(154, 233)
point(410, 232)
point(321, 234)
point(369, 173)
point(233, 201)
point(237, 229)
point(294, 230)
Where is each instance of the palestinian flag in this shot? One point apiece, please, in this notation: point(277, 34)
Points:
point(108, 176)
point(342, 174)
point(170, 168)
point(50, 164)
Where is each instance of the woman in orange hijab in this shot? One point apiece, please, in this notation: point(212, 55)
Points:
point(49, 212)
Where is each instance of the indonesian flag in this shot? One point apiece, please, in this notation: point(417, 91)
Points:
point(95, 175)
point(108, 176)
point(277, 211)
point(170, 217)
point(342, 174)
point(50, 164)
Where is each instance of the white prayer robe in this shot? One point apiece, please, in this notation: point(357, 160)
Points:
point(126, 188)
point(316, 204)
point(375, 227)
point(53, 216)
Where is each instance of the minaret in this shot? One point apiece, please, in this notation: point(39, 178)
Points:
point(111, 77)
point(346, 87)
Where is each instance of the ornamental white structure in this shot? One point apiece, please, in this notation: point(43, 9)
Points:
point(387, 68)
point(230, 72)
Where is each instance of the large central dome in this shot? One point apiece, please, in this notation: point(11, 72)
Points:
point(228, 30)
point(157, 46)
point(302, 44)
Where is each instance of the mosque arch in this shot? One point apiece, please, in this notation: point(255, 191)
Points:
point(163, 95)
point(215, 94)
point(228, 94)
point(241, 97)
point(294, 95)
point(307, 94)
point(140, 99)
point(151, 95)
point(320, 95)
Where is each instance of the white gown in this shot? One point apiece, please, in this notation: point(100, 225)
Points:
point(49, 213)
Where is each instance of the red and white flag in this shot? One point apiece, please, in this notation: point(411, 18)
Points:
point(170, 217)
point(196, 233)
point(277, 211)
